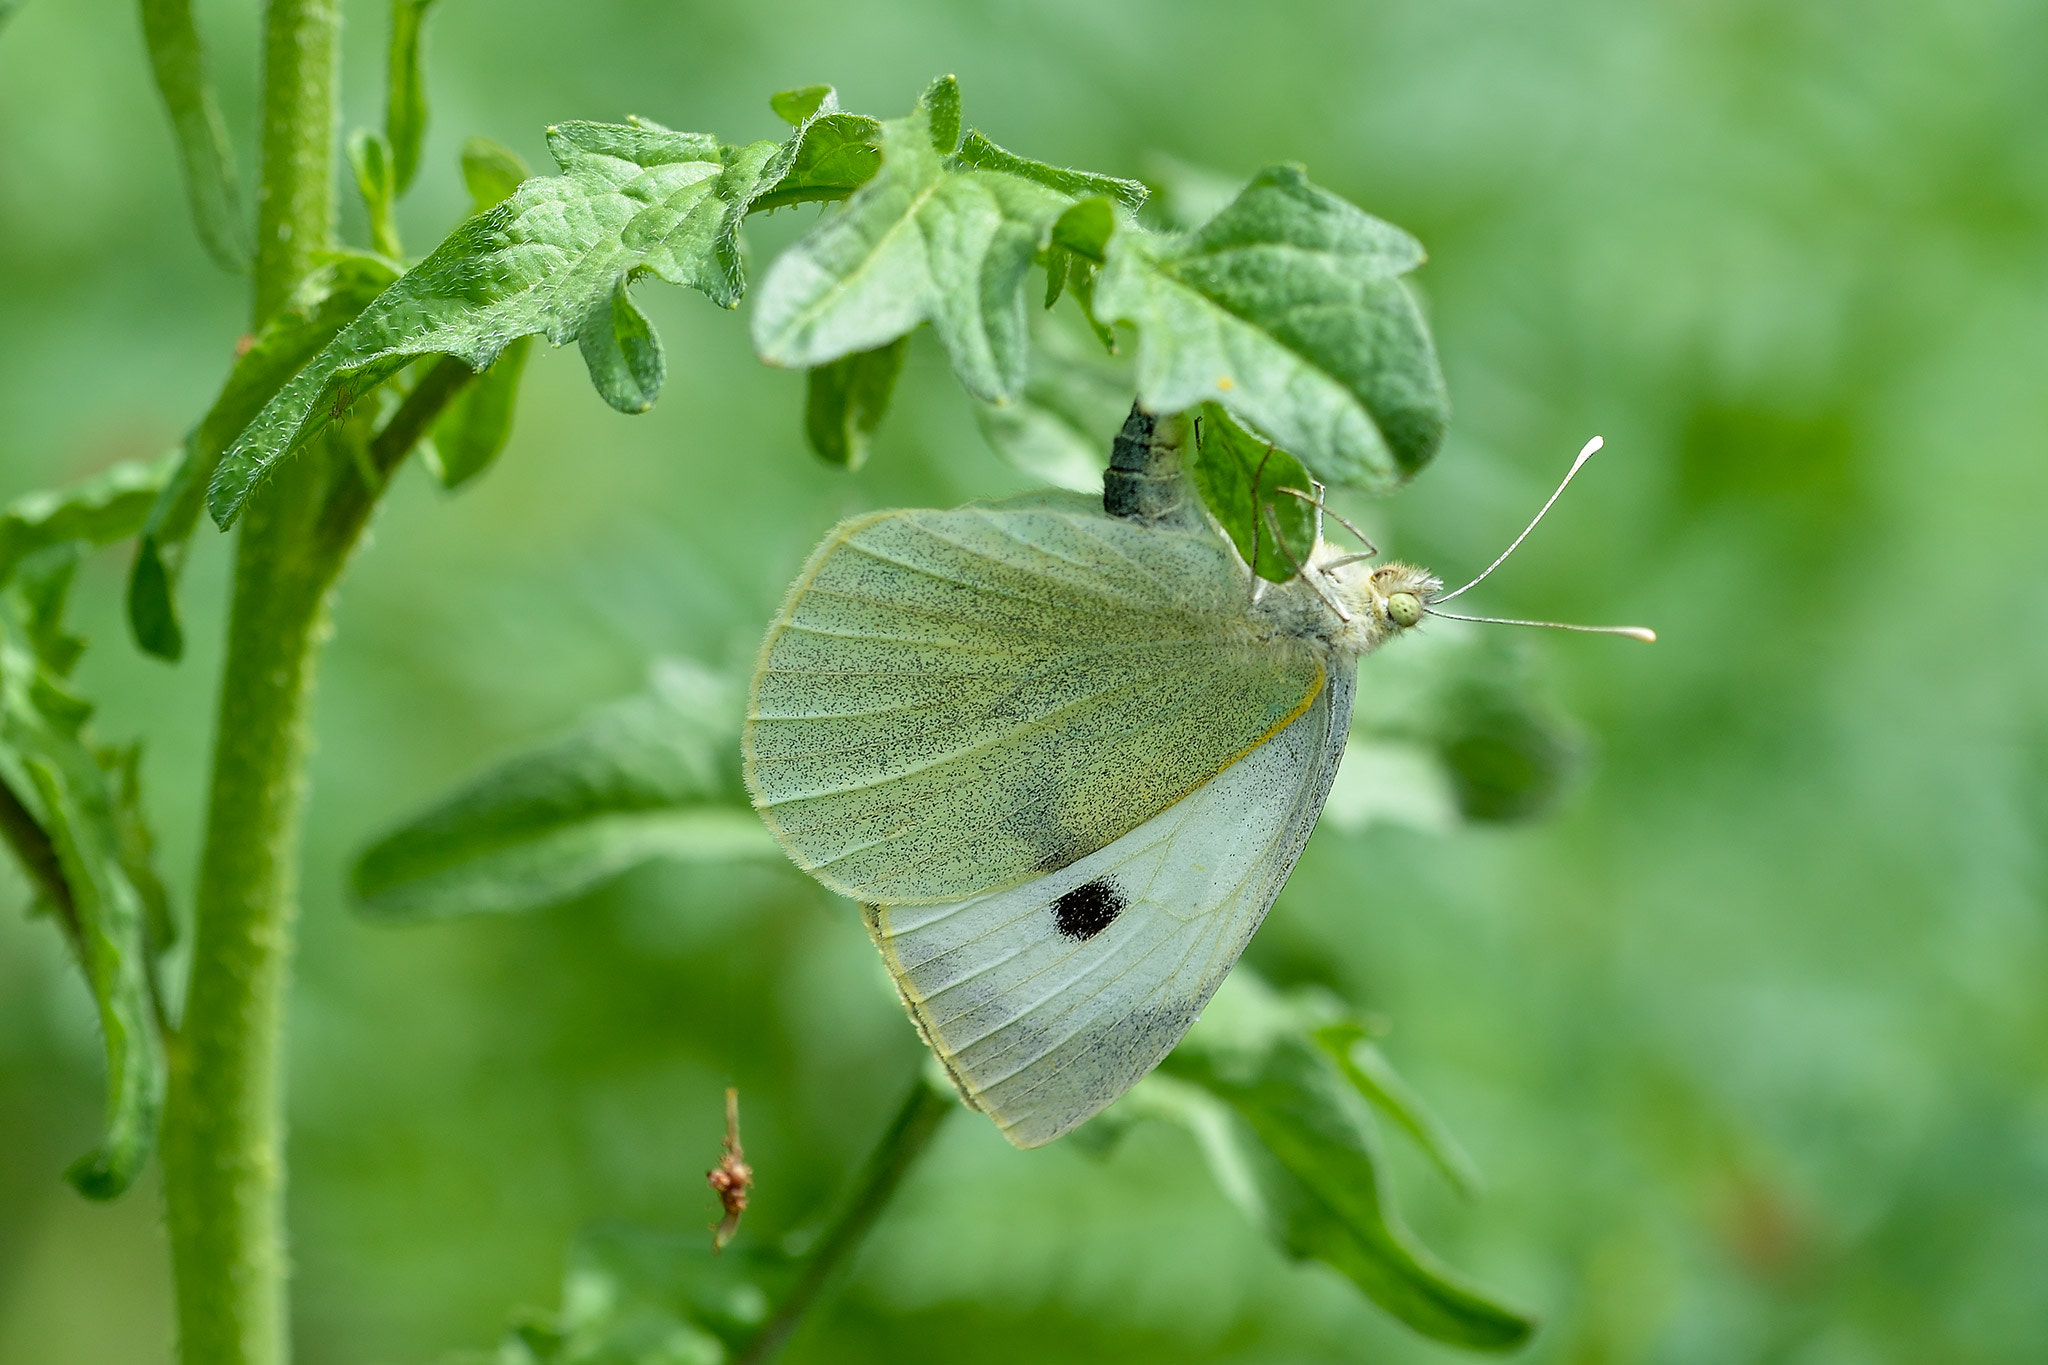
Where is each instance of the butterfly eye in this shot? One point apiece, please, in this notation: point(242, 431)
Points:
point(1405, 608)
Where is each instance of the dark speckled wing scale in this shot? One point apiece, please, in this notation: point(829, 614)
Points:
point(1062, 768)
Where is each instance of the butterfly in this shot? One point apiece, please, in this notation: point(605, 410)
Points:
point(1064, 759)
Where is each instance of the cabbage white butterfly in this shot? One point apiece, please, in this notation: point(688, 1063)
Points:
point(1065, 760)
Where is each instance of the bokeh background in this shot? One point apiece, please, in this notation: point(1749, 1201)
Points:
point(1749, 1036)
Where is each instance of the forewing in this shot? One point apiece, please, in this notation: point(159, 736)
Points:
point(1049, 1000)
point(955, 702)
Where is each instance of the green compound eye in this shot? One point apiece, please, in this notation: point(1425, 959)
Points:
point(1404, 607)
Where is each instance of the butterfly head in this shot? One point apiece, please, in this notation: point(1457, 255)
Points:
point(1378, 603)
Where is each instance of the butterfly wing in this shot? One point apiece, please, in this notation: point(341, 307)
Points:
point(1049, 1000)
point(953, 702)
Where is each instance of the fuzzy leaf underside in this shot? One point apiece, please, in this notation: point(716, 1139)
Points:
point(1288, 309)
point(554, 259)
point(927, 240)
point(652, 776)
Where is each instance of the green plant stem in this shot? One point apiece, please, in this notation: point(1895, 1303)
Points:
point(924, 1109)
point(223, 1149)
point(295, 199)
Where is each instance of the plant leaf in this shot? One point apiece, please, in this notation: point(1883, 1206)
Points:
point(1085, 229)
point(1301, 1155)
point(978, 151)
point(369, 156)
point(328, 301)
point(653, 776)
point(553, 259)
point(205, 156)
point(473, 430)
point(7, 9)
point(1240, 478)
point(633, 1296)
point(492, 171)
point(405, 98)
point(64, 815)
point(920, 242)
point(1509, 754)
point(624, 358)
point(836, 154)
point(1060, 428)
point(846, 400)
point(940, 104)
point(1374, 1077)
point(1471, 700)
point(1288, 309)
point(797, 106)
point(107, 507)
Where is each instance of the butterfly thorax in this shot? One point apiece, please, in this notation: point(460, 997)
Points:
point(1349, 608)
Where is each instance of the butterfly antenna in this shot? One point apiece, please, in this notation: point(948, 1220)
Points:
point(1322, 507)
point(1585, 454)
point(1313, 580)
point(1643, 633)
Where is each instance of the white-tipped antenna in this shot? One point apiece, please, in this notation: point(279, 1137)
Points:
point(1584, 455)
point(1643, 633)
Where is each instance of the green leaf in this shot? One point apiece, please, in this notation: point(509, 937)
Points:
point(978, 151)
point(328, 301)
point(1240, 478)
point(108, 507)
point(178, 61)
point(650, 777)
point(405, 100)
point(635, 1296)
point(7, 9)
point(552, 259)
point(835, 155)
point(492, 171)
point(1300, 1154)
point(1060, 428)
point(940, 106)
point(1288, 309)
point(920, 242)
point(846, 400)
point(1373, 1076)
point(39, 590)
point(1472, 700)
point(1085, 229)
point(478, 422)
point(797, 106)
point(63, 812)
point(369, 155)
point(1509, 754)
point(624, 359)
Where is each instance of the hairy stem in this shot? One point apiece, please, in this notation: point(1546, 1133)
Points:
point(223, 1149)
point(924, 1109)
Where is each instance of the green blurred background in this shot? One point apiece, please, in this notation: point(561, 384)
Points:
point(1749, 1037)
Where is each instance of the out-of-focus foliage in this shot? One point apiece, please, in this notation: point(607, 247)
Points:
point(1745, 1038)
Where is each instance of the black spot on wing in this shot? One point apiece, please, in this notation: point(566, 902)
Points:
point(1088, 909)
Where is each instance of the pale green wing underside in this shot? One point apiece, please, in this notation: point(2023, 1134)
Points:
point(1042, 1027)
point(954, 702)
